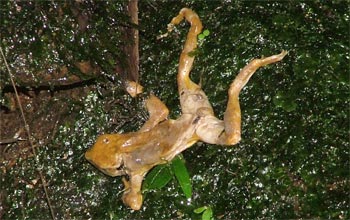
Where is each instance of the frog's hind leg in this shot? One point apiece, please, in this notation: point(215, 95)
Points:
point(186, 58)
point(192, 97)
point(228, 132)
point(232, 116)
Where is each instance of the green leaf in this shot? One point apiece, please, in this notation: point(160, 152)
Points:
point(182, 176)
point(207, 214)
point(200, 209)
point(157, 178)
point(201, 36)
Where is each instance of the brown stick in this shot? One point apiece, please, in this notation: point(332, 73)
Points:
point(133, 49)
point(59, 77)
point(129, 70)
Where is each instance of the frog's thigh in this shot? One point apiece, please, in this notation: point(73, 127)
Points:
point(210, 130)
point(232, 121)
point(157, 112)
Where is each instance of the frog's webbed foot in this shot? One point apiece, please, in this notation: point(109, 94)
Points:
point(157, 112)
point(133, 88)
point(132, 196)
point(228, 132)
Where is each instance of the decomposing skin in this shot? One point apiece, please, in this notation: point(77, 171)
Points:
point(160, 139)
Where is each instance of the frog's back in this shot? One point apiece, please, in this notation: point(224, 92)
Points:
point(163, 142)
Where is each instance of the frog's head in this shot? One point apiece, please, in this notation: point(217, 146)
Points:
point(104, 154)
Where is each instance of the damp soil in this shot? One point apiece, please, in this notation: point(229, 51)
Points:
point(44, 112)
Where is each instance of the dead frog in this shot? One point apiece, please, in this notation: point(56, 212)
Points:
point(160, 139)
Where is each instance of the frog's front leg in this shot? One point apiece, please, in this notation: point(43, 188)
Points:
point(157, 112)
point(132, 196)
point(228, 132)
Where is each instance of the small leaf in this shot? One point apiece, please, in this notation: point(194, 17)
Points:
point(201, 36)
point(200, 209)
point(206, 32)
point(207, 214)
point(290, 106)
point(157, 178)
point(193, 53)
point(182, 176)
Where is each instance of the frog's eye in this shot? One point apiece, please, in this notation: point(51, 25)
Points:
point(106, 140)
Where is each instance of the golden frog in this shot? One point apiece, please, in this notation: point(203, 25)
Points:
point(160, 139)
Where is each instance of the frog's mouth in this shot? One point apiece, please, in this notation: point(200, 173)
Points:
point(116, 170)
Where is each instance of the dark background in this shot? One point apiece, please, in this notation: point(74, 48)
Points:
point(292, 162)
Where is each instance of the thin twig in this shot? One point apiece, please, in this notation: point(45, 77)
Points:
point(26, 126)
